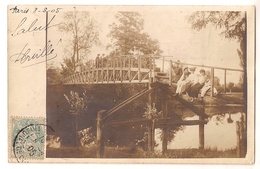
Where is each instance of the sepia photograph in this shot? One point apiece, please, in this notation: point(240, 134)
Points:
point(134, 82)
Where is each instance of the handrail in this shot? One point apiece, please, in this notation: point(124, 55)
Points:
point(222, 68)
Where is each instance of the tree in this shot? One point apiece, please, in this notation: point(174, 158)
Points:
point(233, 24)
point(67, 67)
point(83, 32)
point(53, 75)
point(77, 107)
point(128, 38)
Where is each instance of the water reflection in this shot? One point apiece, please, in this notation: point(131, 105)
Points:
point(220, 133)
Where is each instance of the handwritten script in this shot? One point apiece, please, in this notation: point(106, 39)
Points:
point(26, 55)
point(20, 29)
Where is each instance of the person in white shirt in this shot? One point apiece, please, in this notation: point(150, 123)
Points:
point(181, 84)
point(194, 90)
point(192, 80)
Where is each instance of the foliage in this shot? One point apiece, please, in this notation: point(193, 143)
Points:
point(233, 26)
point(151, 112)
point(83, 32)
point(67, 67)
point(77, 103)
point(86, 137)
point(233, 22)
point(53, 75)
point(128, 37)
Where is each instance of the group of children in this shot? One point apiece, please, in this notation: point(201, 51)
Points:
point(192, 83)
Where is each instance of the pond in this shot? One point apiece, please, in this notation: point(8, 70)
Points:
point(220, 134)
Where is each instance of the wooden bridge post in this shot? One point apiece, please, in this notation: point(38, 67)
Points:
point(114, 73)
point(150, 127)
point(201, 133)
point(121, 69)
point(97, 75)
point(150, 138)
point(100, 135)
point(163, 64)
point(150, 71)
point(225, 81)
point(170, 73)
point(164, 115)
point(108, 70)
point(129, 68)
point(139, 68)
point(201, 130)
point(212, 82)
point(102, 70)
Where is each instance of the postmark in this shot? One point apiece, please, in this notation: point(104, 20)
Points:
point(28, 139)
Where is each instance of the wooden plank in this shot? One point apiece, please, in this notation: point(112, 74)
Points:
point(126, 102)
point(187, 104)
point(180, 123)
point(160, 123)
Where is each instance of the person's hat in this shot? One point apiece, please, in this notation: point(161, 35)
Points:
point(185, 67)
point(178, 63)
point(192, 68)
point(202, 70)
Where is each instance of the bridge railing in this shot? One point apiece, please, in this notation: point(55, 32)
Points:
point(125, 61)
point(212, 70)
point(113, 67)
point(148, 63)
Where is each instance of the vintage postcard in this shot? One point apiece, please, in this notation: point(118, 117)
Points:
point(131, 84)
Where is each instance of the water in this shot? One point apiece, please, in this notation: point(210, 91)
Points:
point(218, 134)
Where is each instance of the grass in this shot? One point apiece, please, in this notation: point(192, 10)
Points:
point(196, 153)
point(135, 152)
point(71, 152)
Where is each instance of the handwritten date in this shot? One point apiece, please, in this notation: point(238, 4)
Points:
point(35, 10)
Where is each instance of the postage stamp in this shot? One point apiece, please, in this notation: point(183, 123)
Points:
point(27, 138)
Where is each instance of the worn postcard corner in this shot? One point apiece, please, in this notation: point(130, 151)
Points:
point(131, 84)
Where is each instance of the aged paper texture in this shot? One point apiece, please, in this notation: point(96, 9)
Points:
point(131, 84)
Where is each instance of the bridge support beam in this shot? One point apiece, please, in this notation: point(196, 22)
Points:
point(201, 133)
point(164, 115)
point(150, 127)
point(100, 136)
point(150, 137)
